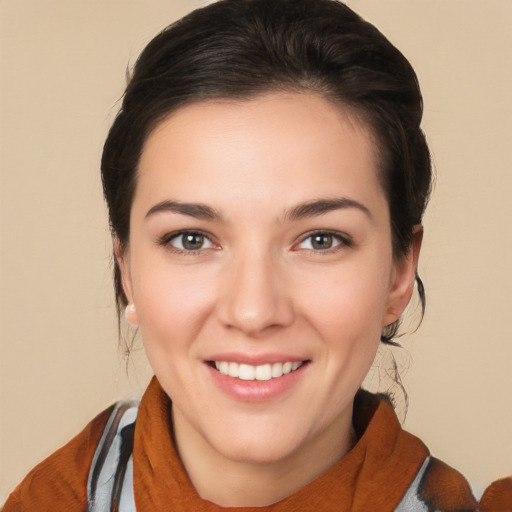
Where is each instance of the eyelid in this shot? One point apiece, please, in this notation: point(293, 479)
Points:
point(343, 239)
point(166, 239)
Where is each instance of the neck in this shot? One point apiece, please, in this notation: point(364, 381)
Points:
point(234, 483)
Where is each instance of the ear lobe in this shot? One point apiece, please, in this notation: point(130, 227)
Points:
point(130, 315)
point(122, 259)
point(403, 280)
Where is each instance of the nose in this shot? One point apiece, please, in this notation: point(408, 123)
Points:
point(255, 296)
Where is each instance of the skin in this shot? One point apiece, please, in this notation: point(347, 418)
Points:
point(257, 285)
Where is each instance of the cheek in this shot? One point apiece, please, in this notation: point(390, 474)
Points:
point(351, 301)
point(172, 302)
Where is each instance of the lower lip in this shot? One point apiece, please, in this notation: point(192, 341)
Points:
point(256, 390)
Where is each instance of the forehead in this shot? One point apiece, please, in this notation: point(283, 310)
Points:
point(287, 146)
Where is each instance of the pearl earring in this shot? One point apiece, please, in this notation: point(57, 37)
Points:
point(128, 313)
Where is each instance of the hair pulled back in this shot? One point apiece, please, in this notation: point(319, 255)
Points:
point(241, 48)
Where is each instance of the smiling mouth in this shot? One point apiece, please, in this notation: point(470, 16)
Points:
point(261, 372)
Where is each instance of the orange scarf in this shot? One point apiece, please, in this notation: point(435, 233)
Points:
point(373, 476)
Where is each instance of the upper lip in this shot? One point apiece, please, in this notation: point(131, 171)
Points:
point(256, 359)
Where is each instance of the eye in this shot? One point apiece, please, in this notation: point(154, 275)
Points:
point(323, 241)
point(188, 241)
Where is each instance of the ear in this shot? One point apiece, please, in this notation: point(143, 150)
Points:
point(123, 261)
point(404, 277)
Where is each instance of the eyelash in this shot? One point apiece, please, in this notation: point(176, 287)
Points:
point(342, 240)
point(168, 238)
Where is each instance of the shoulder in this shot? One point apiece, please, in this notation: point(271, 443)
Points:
point(498, 497)
point(439, 487)
point(60, 481)
point(443, 488)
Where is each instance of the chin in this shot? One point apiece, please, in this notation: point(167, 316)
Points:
point(258, 445)
point(258, 452)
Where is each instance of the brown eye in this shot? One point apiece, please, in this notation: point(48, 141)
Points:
point(193, 241)
point(190, 241)
point(323, 241)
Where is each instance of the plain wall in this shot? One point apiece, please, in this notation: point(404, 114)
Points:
point(62, 71)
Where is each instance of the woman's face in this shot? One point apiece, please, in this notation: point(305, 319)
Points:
point(260, 240)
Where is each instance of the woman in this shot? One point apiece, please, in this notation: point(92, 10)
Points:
point(266, 179)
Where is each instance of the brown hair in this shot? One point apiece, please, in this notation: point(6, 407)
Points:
point(242, 48)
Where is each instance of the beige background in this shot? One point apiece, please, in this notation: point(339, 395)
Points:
point(62, 68)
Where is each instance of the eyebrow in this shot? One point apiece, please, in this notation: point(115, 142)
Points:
point(301, 211)
point(321, 206)
point(196, 210)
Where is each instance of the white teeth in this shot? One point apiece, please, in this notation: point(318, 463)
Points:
point(277, 370)
point(246, 372)
point(222, 366)
point(233, 370)
point(261, 372)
